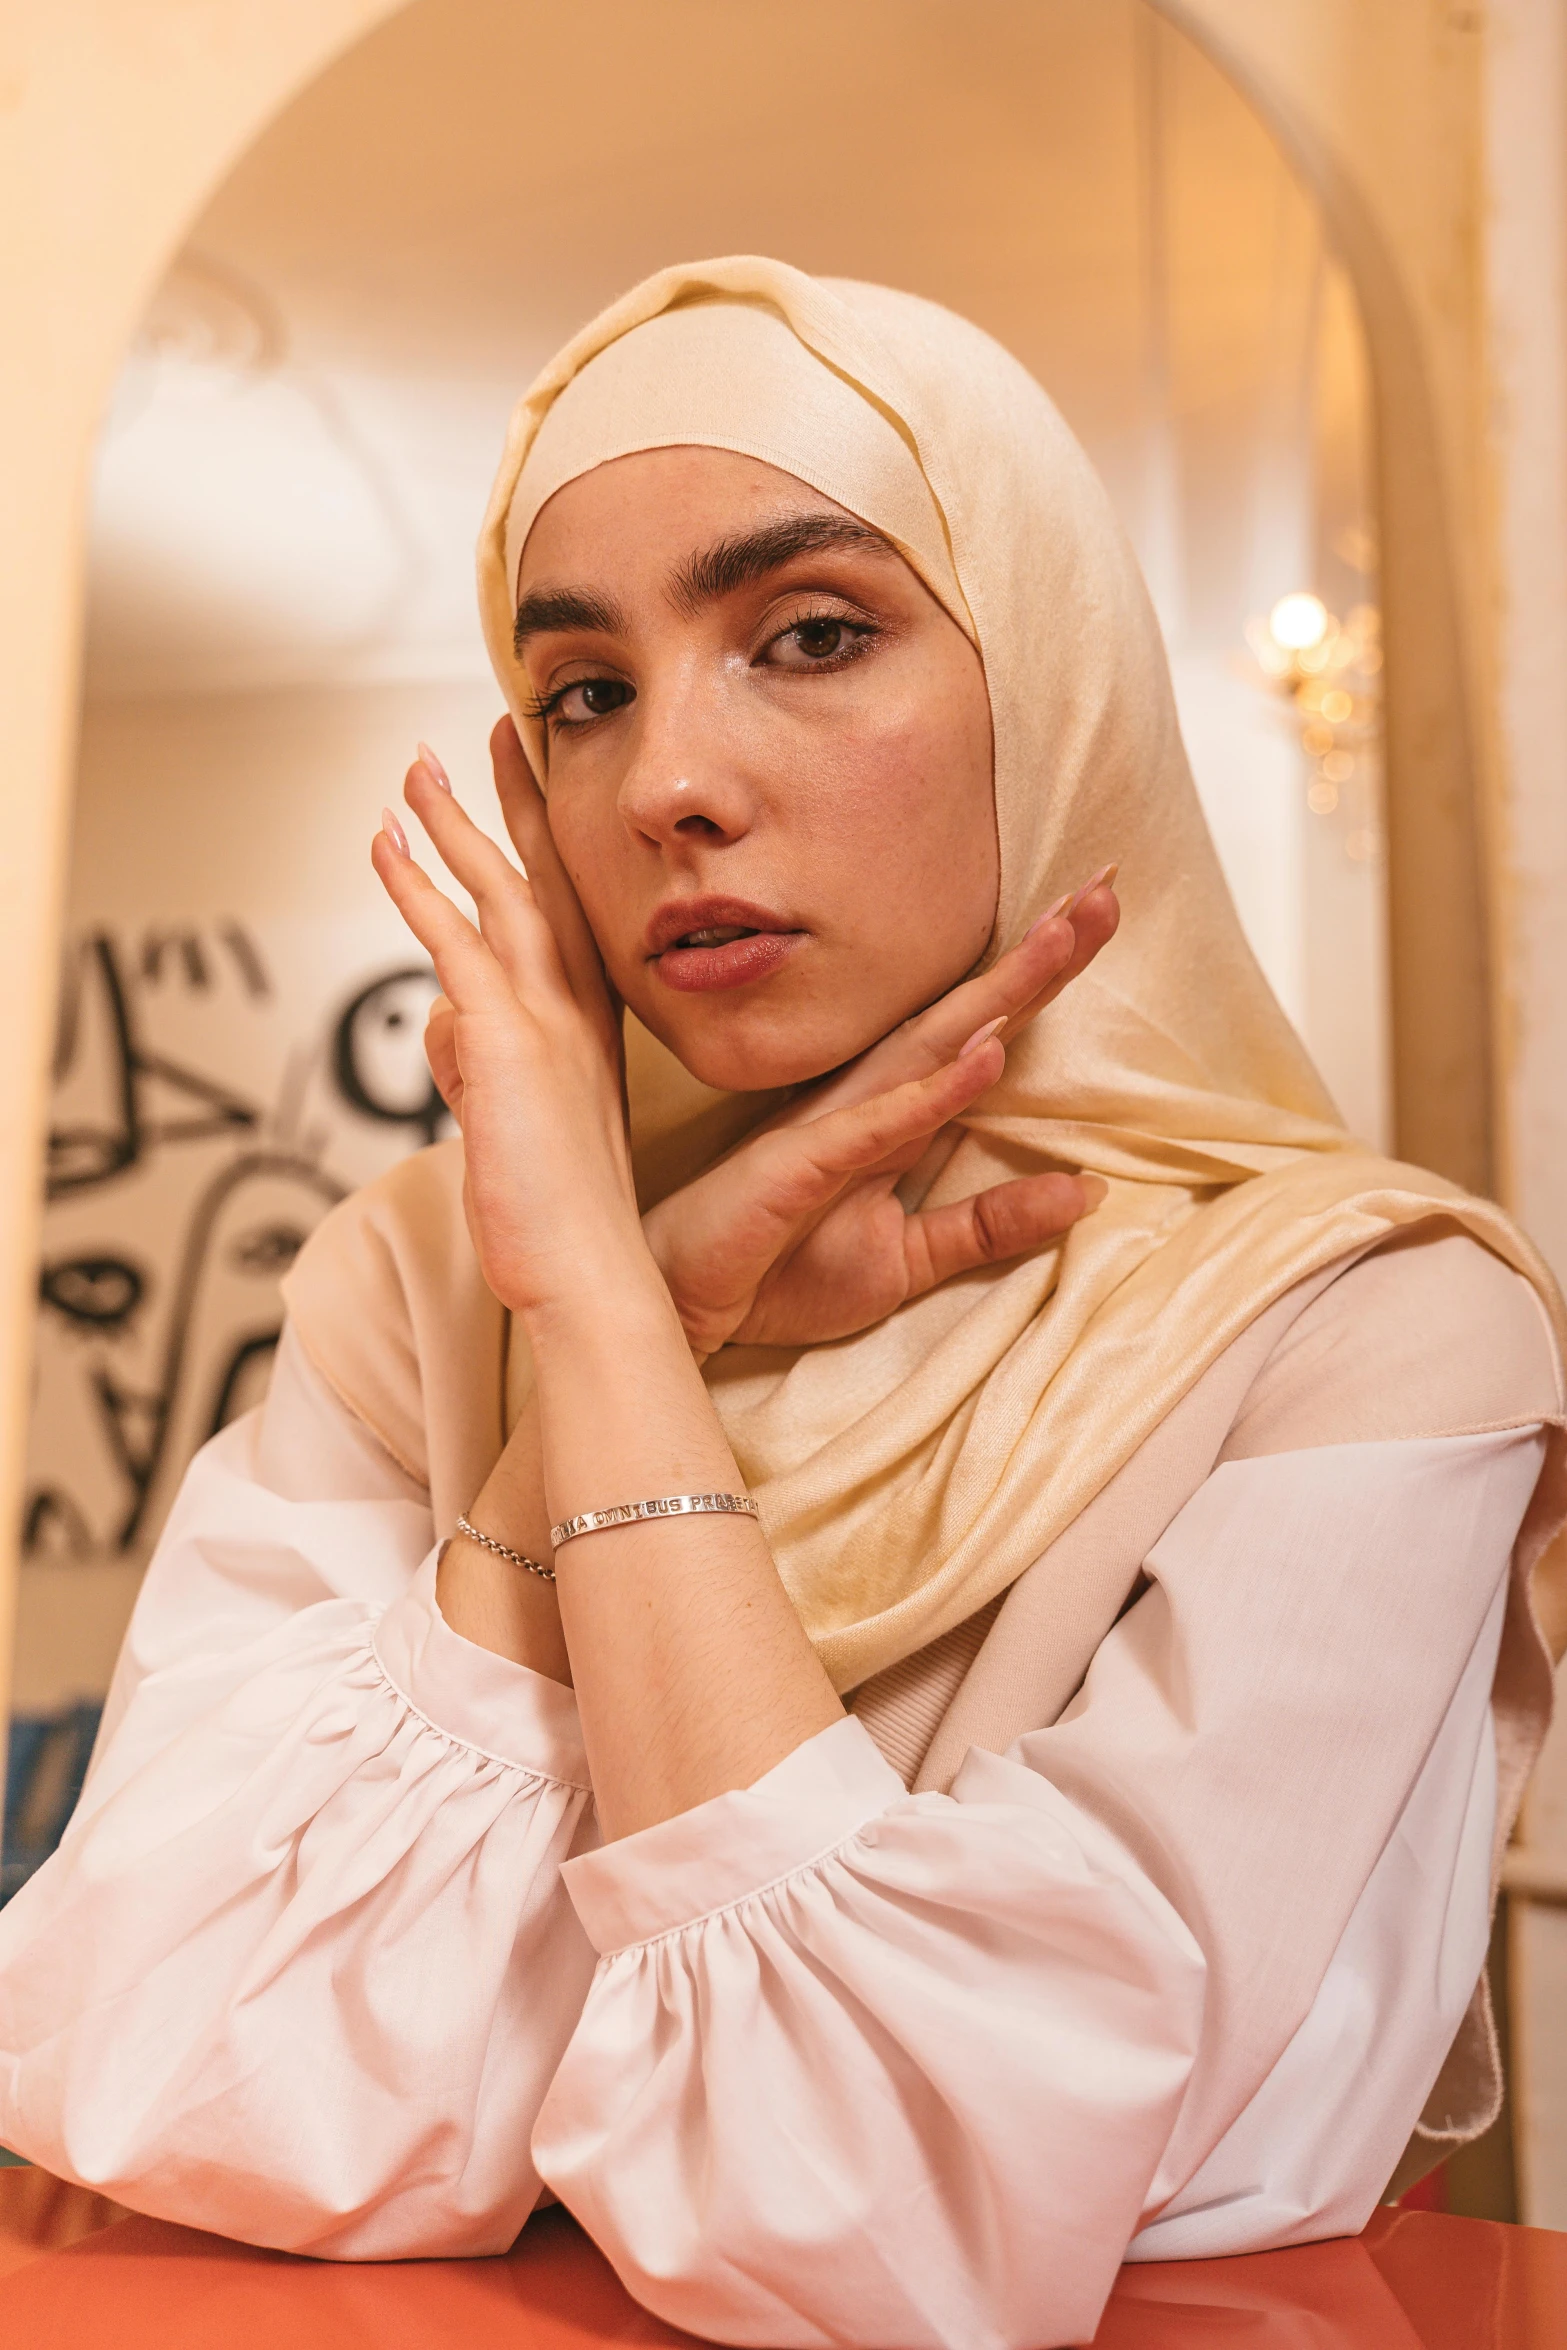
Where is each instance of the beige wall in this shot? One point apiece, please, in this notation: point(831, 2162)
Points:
point(1381, 105)
point(1525, 232)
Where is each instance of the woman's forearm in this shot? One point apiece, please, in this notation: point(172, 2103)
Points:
point(691, 1669)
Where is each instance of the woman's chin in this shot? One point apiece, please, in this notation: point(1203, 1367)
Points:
point(747, 1054)
point(731, 1071)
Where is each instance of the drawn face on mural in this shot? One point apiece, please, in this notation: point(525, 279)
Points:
point(206, 1115)
point(770, 773)
point(192, 1151)
point(378, 1052)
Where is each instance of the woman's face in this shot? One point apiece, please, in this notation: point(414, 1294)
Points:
point(769, 761)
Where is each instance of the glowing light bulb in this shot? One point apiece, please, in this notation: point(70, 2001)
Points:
point(1298, 622)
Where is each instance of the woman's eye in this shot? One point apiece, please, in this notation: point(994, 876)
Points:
point(587, 698)
point(815, 642)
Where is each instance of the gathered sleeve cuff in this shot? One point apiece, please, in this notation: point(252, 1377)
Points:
point(912, 2070)
point(503, 1711)
point(858, 2065)
point(679, 1872)
point(303, 1971)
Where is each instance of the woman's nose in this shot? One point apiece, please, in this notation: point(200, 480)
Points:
point(686, 781)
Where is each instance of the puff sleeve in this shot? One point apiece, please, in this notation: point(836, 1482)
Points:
point(303, 1965)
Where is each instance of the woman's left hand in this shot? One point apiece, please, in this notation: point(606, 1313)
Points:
point(798, 1235)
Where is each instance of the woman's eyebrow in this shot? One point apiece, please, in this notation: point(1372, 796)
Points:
point(728, 564)
point(545, 609)
point(736, 562)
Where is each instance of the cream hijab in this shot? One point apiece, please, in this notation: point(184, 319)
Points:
point(908, 1475)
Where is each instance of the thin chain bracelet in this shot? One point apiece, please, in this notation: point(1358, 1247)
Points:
point(518, 1558)
point(672, 1505)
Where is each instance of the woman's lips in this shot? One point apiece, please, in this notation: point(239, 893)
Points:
point(733, 962)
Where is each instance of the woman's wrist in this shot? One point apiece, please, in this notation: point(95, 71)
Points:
point(487, 1599)
point(616, 1292)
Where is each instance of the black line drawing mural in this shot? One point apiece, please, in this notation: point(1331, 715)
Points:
point(193, 1150)
point(101, 1292)
point(378, 1052)
point(53, 1526)
point(258, 1185)
point(143, 1116)
point(249, 1224)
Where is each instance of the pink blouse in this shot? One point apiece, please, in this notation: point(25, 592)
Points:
point(332, 1957)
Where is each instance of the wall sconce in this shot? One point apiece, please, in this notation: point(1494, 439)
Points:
point(1329, 672)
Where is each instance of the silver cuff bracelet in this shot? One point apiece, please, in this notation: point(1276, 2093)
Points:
point(673, 1505)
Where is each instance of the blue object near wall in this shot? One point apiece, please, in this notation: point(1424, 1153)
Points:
point(47, 1757)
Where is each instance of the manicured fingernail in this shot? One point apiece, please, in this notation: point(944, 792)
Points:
point(436, 769)
point(982, 1036)
point(1100, 880)
point(1049, 914)
point(1095, 1189)
point(394, 832)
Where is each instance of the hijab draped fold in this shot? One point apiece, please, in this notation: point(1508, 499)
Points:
point(909, 1474)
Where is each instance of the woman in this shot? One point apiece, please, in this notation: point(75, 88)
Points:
point(1063, 1825)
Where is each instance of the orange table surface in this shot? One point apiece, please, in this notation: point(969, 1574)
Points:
point(77, 2271)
